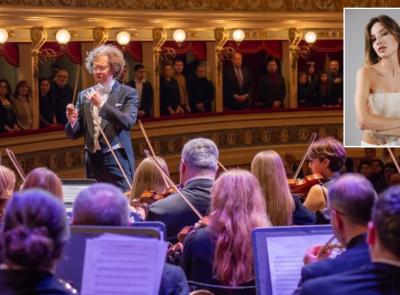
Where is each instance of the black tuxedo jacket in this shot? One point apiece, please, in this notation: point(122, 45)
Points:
point(174, 211)
point(118, 115)
point(146, 101)
point(231, 87)
point(374, 279)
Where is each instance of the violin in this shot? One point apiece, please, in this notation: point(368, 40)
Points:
point(301, 186)
point(149, 197)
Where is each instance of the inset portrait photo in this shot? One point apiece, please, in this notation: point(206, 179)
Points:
point(372, 77)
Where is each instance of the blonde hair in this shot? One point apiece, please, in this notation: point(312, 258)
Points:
point(114, 55)
point(237, 207)
point(148, 177)
point(7, 183)
point(268, 167)
point(45, 179)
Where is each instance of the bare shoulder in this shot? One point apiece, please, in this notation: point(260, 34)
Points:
point(366, 72)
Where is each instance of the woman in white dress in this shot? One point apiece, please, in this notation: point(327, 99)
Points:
point(377, 97)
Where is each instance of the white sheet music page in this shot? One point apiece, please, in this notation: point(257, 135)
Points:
point(117, 264)
point(285, 256)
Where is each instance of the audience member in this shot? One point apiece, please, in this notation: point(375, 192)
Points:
point(327, 157)
point(268, 167)
point(377, 176)
point(169, 93)
point(104, 204)
point(7, 184)
point(61, 93)
point(272, 87)
point(305, 92)
point(364, 167)
point(45, 179)
point(144, 90)
point(32, 239)
point(369, 153)
point(46, 104)
point(350, 202)
point(198, 166)
point(388, 171)
point(323, 89)
point(181, 80)
point(8, 120)
point(382, 276)
point(22, 103)
point(201, 91)
point(336, 79)
point(312, 76)
point(237, 85)
point(221, 253)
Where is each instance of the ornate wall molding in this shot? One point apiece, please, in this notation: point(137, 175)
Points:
point(210, 5)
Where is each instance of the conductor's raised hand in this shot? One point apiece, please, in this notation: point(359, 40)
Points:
point(94, 97)
point(72, 114)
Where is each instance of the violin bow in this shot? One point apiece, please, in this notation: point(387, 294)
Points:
point(222, 166)
point(325, 246)
point(78, 70)
point(15, 163)
point(394, 159)
point(112, 151)
point(312, 139)
point(152, 152)
point(173, 184)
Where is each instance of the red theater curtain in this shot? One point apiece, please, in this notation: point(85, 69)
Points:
point(198, 48)
point(271, 47)
point(72, 50)
point(11, 53)
point(133, 48)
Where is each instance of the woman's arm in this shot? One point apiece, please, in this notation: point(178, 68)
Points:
point(366, 120)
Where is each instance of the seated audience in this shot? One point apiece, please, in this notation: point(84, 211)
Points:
point(46, 104)
point(104, 204)
point(22, 103)
point(61, 93)
point(148, 178)
point(268, 167)
point(237, 85)
point(382, 275)
point(198, 166)
point(305, 92)
point(144, 90)
point(201, 91)
point(364, 167)
point(181, 79)
point(32, 239)
point(272, 87)
point(8, 120)
point(45, 179)
point(336, 79)
point(7, 184)
point(350, 202)
point(323, 89)
point(169, 93)
point(221, 253)
point(327, 157)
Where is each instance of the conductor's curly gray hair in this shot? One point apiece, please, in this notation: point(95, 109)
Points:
point(115, 58)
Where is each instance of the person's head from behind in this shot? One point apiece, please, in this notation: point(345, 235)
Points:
point(148, 177)
point(350, 202)
point(178, 66)
point(168, 71)
point(237, 206)
point(334, 66)
point(237, 60)
point(302, 78)
point(101, 204)
point(326, 156)
point(272, 66)
point(7, 183)
point(268, 168)
point(44, 86)
point(384, 228)
point(201, 71)
point(382, 37)
point(61, 78)
point(199, 158)
point(139, 72)
point(34, 232)
point(5, 88)
point(45, 179)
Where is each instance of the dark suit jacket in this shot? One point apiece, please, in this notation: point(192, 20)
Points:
point(174, 211)
point(355, 256)
point(118, 117)
point(374, 279)
point(146, 101)
point(231, 87)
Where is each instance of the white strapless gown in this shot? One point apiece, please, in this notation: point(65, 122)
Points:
point(387, 105)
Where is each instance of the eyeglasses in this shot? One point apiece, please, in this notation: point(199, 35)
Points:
point(100, 68)
point(327, 212)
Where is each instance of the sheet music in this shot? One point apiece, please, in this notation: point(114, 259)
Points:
point(116, 264)
point(285, 255)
